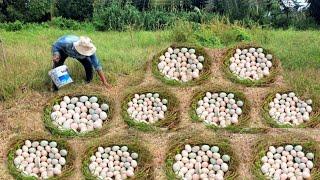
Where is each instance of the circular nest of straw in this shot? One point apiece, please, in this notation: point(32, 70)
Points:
point(314, 116)
point(262, 145)
point(243, 118)
point(172, 116)
point(17, 143)
point(177, 145)
point(274, 71)
point(204, 73)
point(144, 169)
point(70, 133)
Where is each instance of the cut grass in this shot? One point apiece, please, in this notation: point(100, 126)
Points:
point(177, 145)
point(314, 116)
point(262, 145)
point(204, 73)
point(17, 143)
point(172, 116)
point(144, 169)
point(71, 133)
point(244, 118)
point(247, 82)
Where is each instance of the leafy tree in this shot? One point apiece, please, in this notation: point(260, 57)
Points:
point(27, 10)
point(2, 11)
point(315, 9)
point(75, 9)
point(142, 5)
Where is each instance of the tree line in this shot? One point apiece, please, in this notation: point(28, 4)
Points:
point(106, 14)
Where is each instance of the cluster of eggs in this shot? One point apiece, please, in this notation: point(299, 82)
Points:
point(287, 162)
point(40, 159)
point(147, 108)
point(113, 163)
point(181, 64)
point(201, 162)
point(287, 108)
point(219, 109)
point(81, 114)
point(251, 63)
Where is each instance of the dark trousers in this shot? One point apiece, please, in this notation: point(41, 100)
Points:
point(85, 63)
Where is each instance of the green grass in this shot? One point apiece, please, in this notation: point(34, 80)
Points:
point(17, 143)
point(144, 169)
point(299, 53)
point(28, 54)
point(262, 145)
point(71, 133)
point(172, 116)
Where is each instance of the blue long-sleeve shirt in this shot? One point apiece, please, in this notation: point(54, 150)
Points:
point(65, 44)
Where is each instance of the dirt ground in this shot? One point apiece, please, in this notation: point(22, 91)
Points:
point(24, 116)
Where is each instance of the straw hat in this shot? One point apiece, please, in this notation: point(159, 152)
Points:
point(84, 46)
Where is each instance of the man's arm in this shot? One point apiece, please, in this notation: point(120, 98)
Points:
point(55, 52)
point(103, 78)
point(96, 64)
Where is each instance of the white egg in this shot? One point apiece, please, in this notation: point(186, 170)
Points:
point(103, 115)
point(105, 107)
point(93, 99)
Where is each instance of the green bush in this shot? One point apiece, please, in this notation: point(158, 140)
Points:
point(182, 31)
point(314, 9)
point(2, 18)
point(155, 19)
point(13, 26)
point(241, 35)
point(63, 23)
point(75, 9)
point(205, 37)
point(141, 4)
point(114, 16)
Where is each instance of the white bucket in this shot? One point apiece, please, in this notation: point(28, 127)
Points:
point(60, 76)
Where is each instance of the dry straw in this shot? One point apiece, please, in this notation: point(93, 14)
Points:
point(204, 73)
point(172, 116)
point(144, 169)
point(71, 133)
point(177, 144)
point(18, 142)
point(275, 69)
point(244, 118)
point(314, 116)
point(262, 146)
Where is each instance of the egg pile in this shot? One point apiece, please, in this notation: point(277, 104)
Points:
point(40, 159)
point(147, 108)
point(287, 162)
point(181, 64)
point(113, 163)
point(219, 109)
point(81, 114)
point(251, 63)
point(287, 108)
point(201, 162)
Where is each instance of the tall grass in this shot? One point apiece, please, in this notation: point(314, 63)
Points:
point(28, 52)
point(28, 56)
point(298, 51)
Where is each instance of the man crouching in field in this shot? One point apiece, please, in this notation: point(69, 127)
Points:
point(80, 48)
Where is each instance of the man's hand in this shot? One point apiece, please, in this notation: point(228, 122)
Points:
point(56, 58)
point(107, 85)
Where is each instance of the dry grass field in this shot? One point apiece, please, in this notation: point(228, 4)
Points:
point(22, 111)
